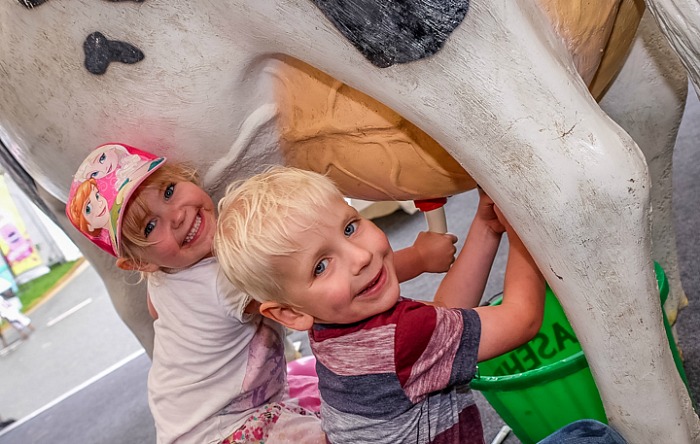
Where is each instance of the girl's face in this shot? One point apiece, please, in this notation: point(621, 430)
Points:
point(180, 223)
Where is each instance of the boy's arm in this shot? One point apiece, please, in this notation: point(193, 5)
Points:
point(431, 252)
point(519, 317)
point(465, 283)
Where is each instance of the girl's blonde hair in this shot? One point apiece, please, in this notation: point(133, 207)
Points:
point(136, 211)
point(258, 220)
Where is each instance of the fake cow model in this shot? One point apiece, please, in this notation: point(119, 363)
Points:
point(234, 85)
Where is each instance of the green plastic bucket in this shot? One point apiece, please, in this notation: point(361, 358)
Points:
point(546, 383)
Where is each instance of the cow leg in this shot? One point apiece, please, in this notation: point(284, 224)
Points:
point(654, 75)
point(679, 21)
point(127, 294)
point(503, 98)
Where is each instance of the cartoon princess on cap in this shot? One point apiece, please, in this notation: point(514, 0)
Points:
point(89, 208)
point(110, 159)
point(100, 187)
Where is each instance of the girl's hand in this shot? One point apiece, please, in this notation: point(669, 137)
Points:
point(253, 307)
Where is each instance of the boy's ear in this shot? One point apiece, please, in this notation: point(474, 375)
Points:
point(287, 316)
point(130, 265)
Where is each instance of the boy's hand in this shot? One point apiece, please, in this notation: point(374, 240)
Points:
point(489, 214)
point(436, 251)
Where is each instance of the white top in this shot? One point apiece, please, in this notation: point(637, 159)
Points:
point(213, 365)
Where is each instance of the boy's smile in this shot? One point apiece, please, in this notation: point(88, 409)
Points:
point(344, 270)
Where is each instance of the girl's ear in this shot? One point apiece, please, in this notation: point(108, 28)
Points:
point(287, 316)
point(131, 265)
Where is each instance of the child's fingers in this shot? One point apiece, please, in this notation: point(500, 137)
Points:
point(435, 235)
point(452, 237)
point(501, 218)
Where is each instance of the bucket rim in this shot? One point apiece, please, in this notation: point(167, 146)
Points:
point(519, 381)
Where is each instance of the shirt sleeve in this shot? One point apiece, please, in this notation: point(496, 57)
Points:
point(232, 299)
point(435, 348)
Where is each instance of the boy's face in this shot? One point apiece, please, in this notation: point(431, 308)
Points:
point(181, 222)
point(344, 272)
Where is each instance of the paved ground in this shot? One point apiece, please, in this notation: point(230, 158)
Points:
point(81, 377)
point(78, 338)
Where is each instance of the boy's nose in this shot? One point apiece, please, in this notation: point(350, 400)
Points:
point(360, 258)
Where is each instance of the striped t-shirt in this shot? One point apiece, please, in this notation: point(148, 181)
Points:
point(400, 376)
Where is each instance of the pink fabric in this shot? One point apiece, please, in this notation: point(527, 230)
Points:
point(105, 181)
point(303, 383)
point(279, 423)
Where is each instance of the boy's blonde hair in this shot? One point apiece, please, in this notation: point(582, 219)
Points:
point(258, 221)
point(136, 211)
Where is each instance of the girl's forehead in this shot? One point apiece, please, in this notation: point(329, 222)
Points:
point(149, 192)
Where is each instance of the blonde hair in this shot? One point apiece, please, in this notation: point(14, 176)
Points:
point(136, 210)
point(258, 221)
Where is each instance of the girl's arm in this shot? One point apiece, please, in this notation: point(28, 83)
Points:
point(253, 307)
point(151, 309)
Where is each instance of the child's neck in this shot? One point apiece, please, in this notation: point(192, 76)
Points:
point(175, 270)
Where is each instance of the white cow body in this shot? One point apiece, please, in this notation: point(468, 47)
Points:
point(680, 22)
point(502, 96)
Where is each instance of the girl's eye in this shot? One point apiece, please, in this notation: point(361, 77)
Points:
point(102, 158)
point(350, 229)
point(149, 228)
point(321, 267)
point(169, 191)
point(97, 196)
point(88, 209)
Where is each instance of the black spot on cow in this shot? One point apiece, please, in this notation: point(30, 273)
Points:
point(100, 52)
point(395, 31)
point(30, 4)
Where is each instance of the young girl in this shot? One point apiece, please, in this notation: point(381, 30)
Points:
point(218, 373)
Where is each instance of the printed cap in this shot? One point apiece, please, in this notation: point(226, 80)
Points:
point(102, 186)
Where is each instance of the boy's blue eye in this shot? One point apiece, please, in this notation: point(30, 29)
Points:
point(350, 229)
point(149, 228)
point(94, 174)
point(102, 158)
point(169, 191)
point(321, 267)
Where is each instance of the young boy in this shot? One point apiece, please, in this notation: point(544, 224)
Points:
point(390, 369)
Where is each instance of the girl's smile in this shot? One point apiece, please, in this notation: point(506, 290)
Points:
point(179, 226)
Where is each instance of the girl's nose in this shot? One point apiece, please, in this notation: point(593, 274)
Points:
point(178, 218)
